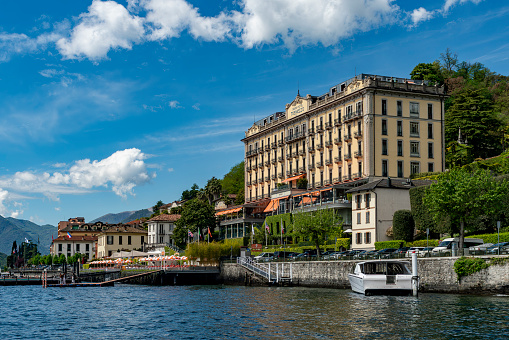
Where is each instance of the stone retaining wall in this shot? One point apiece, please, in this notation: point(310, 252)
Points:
point(436, 275)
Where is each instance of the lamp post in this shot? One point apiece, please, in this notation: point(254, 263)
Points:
point(498, 236)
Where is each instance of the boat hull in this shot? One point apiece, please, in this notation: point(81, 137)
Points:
point(380, 284)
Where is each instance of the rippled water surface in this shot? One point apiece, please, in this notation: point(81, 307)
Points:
point(225, 312)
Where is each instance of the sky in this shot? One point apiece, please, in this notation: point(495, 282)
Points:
point(110, 106)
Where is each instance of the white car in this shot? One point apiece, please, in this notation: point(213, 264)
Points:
point(263, 257)
point(425, 252)
point(413, 250)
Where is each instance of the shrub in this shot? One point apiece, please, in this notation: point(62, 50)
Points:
point(465, 266)
point(422, 243)
point(403, 225)
point(389, 244)
point(343, 242)
point(492, 238)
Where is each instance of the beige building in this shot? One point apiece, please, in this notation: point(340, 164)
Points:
point(120, 238)
point(373, 207)
point(68, 246)
point(365, 128)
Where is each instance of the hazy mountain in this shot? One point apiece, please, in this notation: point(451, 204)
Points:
point(3, 260)
point(12, 229)
point(123, 217)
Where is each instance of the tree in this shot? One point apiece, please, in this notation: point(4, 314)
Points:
point(465, 196)
point(196, 215)
point(449, 62)
point(156, 207)
point(233, 181)
point(471, 111)
point(428, 71)
point(190, 194)
point(213, 189)
point(403, 225)
point(316, 226)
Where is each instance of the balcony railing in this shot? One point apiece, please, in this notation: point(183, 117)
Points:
point(328, 144)
point(337, 159)
point(357, 134)
point(295, 136)
point(302, 169)
point(337, 122)
point(273, 161)
point(248, 183)
point(319, 164)
point(352, 115)
point(251, 153)
point(267, 163)
point(357, 175)
point(311, 149)
point(288, 155)
point(311, 166)
point(348, 137)
point(319, 146)
point(337, 141)
point(327, 182)
point(302, 152)
point(357, 154)
point(328, 125)
point(273, 177)
point(318, 184)
point(347, 178)
point(280, 143)
point(267, 178)
point(280, 175)
point(280, 159)
point(319, 128)
point(336, 180)
point(311, 131)
point(328, 162)
point(267, 147)
point(273, 145)
point(348, 157)
point(295, 154)
point(288, 173)
point(248, 168)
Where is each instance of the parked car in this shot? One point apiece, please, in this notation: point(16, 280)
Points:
point(264, 257)
point(413, 250)
point(494, 248)
point(349, 254)
point(445, 247)
point(400, 252)
point(385, 253)
point(360, 254)
point(479, 248)
point(337, 254)
point(425, 252)
point(282, 254)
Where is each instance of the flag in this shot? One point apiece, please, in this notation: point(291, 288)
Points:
point(69, 234)
point(26, 240)
point(282, 229)
point(200, 237)
point(252, 229)
point(190, 233)
point(210, 234)
point(267, 227)
point(14, 251)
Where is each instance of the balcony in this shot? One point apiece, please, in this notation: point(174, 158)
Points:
point(328, 144)
point(357, 154)
point(288, 174)
point(352, 115)
point(311, 131)
point(310, 185)
point(414, 154)
point(273, 145)
point(337, 141)
point(288, 155)
point(248, 168)
point(273, 161)
point(319, 128)
point(302, 170)
point(319, 146)
point(260, 151)
point(280, 143)
point(251, 153)
point(318, 184)
point(336, 180)
point(337, 159)
point(357, 175)
point(327, 182)
point(328, 125)
point(267, 178)
point(296, 136)
point(295, 154)
point(311, 149)
point(357, 134)
point(302, 152)
point(267, 147)
point(319, 164)
point(248, 183)
point(267, 163)
point(348, 137)
point(280, 175)
point(337, 122)
point(273, 177)
point(328, 162)
point(347, 178)
point(348, 157)
point(260, 165)
point(280, 159)
point(311, 166)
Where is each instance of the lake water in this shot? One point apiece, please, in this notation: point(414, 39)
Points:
point(228, 312)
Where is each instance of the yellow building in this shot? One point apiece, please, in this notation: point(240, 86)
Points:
point(120, 238)
point(366, 128)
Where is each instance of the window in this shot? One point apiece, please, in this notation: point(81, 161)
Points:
point(87, 247)
point(431, 167)
point(384, 146)
point(384, 168)
point(430, 150)
point(430, 131)
point(414, 109)
point(414, 149)
point(367, 218)
point(142, 239)
point(414, 129)
point(367, 199)
point(384, 107)
point(358, 218)
point(358, 238)
point(68, 247)
point(400, 169)
point(384, 127)
point(358, 201)
point(415, 168)
point(60, 247)
point(400, 108)
point(367, 237)
point(120, 240)
point(128, 239)
point(109, 239)
point(77, 248)
point(400, 148)
point(400, 128)
point(430, 111)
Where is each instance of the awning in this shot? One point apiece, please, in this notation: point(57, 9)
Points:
point(347, 231)
point(307, 200)
point(230, 211)
point(293, 178)
point(273, 205)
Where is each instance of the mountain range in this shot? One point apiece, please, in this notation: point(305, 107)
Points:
point(12, 229)
point(123, 217)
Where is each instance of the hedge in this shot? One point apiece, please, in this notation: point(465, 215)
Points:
point(422, 243)
point(274, 221)
point(343, 242)
point(403, 225)
point(389, 244)
point(492, 238)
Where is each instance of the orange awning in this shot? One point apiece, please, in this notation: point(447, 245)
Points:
point(293, 178)
point(235, 210)
point(230, 211)
point(273, 204)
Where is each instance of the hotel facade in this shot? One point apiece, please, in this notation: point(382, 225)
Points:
point(366, 128)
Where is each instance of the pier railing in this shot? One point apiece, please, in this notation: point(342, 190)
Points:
point(273, 272)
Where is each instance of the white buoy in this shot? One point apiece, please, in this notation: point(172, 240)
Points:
point(415, 277)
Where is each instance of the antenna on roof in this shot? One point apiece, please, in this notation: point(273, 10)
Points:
point(298, 89)
point(355, 71)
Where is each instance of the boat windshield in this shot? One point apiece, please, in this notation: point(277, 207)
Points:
point(385, 268)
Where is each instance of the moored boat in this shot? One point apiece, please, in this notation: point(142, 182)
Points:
point(381, 277)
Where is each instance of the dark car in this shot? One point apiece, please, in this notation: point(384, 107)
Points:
point(283, 254)
point(385, 253)
point(494, 248)
point(401, 252)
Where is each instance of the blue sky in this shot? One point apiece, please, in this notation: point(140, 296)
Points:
point(111, 106)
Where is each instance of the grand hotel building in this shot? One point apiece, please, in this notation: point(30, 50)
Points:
point(363, 129)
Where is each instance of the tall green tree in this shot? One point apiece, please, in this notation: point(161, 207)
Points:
point(316, 226)
point(196, 215)
point(465, 196)
point(403, 225)
point(190, 194)
point(157, 207)
point(428, 71)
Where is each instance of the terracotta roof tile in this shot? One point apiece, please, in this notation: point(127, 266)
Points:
point(165, 218)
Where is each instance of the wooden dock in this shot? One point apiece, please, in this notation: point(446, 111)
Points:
point(108, 283)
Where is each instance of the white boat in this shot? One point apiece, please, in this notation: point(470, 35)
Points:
point(381, 277)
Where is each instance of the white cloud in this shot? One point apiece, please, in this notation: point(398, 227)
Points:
point(196, 107)
point(450, 3)
point(421, 14)
point(107, 25)
point(174, 104)
point(170, 169)
point(123, 171)
point(4, 210)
